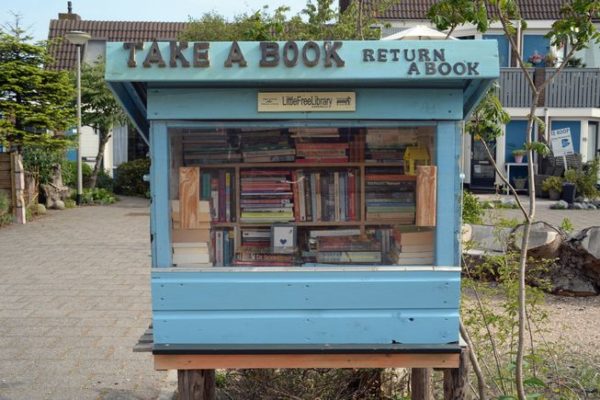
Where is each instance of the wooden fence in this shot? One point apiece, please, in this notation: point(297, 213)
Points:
point(12, 182)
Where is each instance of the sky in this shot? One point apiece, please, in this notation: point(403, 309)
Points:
point(36, 14)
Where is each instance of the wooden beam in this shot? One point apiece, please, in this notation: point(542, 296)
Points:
point(196, 384)
point(456, 380)
point(212, 361)
point(426, 195)
point(420, 384)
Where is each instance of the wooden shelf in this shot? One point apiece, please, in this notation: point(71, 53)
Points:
point(306, 223)
point(297, 165)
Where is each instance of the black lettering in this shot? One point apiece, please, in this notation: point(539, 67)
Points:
point(235, 56)
point(154, 57)
point(424, 55)
point(395, 53)
point(269, 54)
point(368, 55)
point(331, 53)
point(459, 68)
point(382, 55)
point(472, 68)
point(290, 47)
point(200, 56)
point(132, 47)
point(176, 53)
point(414, 69)
point(413, 56)
point(316, 51)
point(429, 68)
point(444, 68)
point(439, 55)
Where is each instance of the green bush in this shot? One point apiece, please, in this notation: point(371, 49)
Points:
point(472, 211)
point(129, 178)
point(97, 196)
point(69, 173)
point(40, 161)
point(5, 214)
point(585, 179)
point(104, 181)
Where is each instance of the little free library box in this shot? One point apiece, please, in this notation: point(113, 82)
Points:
point(305, 197)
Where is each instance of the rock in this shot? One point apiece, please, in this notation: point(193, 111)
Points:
point(544, 240)
point(467, 233)
point(60, 205)
point(579, 199)
point(488, 239)
point(54, 191)
point(575, 286)
point(40, 209)
point(592, 206)
point(560, 205)
point(512, 203)
point(577, 206)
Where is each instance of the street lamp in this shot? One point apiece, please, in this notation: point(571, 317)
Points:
point(79, 39)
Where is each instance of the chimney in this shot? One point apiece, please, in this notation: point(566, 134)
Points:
point(69, 15)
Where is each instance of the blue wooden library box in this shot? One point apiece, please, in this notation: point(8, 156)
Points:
point(305, 195)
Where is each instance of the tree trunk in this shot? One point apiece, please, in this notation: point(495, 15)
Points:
point(103, 137)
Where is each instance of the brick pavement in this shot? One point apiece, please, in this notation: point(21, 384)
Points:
point(580, 219)
point(74, 299)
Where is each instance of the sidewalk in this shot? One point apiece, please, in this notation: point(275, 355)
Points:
point(74, 299)
point(580, 219)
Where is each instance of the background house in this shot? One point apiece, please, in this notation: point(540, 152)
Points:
point(125, 143)
point(571, 101)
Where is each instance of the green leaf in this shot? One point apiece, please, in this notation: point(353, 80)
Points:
point(506, 397)
point(534, 382)
point(533, 396)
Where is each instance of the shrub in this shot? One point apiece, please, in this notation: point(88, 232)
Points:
point(472, 211)
point(5, 214)
point(104, 181)
point(97, 196)
point(40, 161)
point(585, 179)
point(553, 183)
point(69, 173)
point(129, 179)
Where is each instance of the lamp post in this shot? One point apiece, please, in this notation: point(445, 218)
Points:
point(79, 39)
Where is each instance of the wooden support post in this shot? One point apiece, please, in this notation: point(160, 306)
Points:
point(420, 384)
point(426, 196)
point(18, 185)
point(196, 384)
point(456, 380)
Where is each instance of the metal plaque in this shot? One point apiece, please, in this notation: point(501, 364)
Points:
point(306, 101)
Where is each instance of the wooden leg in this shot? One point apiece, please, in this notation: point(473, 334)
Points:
point(420, 384)
point(456, 380)
point(196, 384)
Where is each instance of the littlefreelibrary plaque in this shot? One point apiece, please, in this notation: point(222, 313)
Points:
point(306, 101)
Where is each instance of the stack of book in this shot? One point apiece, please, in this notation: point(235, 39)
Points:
point(316, 152)
point(224, 247)
point(210, 147)
point(310, 134)
point(266, 196)
point(256, 250)
point(218, 187)
point(348, 250)
point(390, 197)
point(414, 248)
point(266, 146)
point(387, 145)
point(191, 246)
point(325, 196)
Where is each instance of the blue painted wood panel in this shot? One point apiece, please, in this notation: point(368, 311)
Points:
point(448, 148)
point(228, 104)
point(305, 290)
point(357, 68)
point(515, 139)
point(306, 327)
point(160, 225)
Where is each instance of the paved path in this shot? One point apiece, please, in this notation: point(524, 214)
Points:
point(580, 219)
point(74, 299)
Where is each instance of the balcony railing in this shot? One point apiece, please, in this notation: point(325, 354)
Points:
point(572, 88)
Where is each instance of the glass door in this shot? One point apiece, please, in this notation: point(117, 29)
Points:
point(483, 175)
